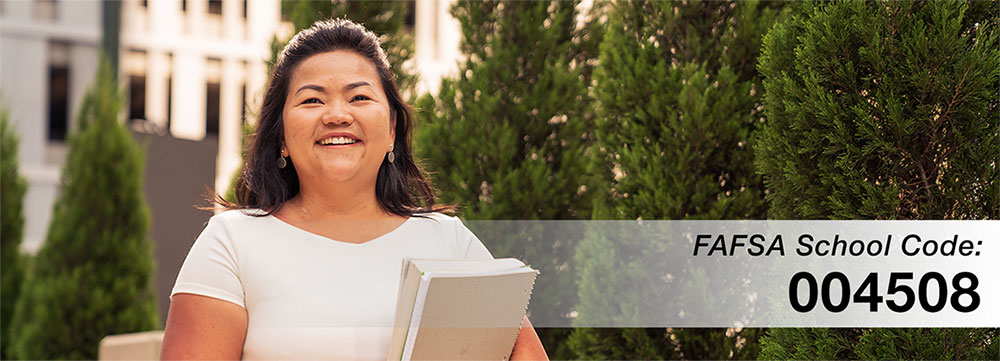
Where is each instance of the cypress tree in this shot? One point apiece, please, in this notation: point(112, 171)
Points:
point(93, 275)
point(882, 110)
point(12, 188)
point(506, 139)
point(677, 93)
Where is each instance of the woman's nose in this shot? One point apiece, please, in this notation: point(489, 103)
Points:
point(336, 115)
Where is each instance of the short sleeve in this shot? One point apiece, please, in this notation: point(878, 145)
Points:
point(211, 267)
point(469, 245)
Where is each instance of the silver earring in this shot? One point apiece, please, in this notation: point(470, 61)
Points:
point(391, 157)
point(282, 163)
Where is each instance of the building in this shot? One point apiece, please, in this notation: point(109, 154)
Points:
point(194, 67)
point(48, 58)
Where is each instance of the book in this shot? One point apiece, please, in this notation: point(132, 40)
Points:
point(460, 309)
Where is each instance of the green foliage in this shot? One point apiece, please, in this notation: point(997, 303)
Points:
point(880, 344)
point(623, 344)
point(928, 344)
point(677, 93)
point(93, 275)
point(507, 138)
point(808, 344)
point(882, 110)
point(12, 188)
point(718, 344)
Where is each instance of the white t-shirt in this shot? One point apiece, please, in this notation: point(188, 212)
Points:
point(308, 296)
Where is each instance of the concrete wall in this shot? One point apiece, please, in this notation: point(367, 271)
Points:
point(184, 172)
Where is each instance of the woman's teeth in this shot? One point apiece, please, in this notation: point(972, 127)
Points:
point(337, 141)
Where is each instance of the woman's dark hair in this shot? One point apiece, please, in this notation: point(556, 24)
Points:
point(400, 187)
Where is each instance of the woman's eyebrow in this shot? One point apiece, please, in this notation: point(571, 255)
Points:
point(357, 84)
point(313, 87)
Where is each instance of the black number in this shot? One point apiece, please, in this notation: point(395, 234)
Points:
point(942, 292)
point(872, 298)
point(868, 292)
point(959, 291)
point(905, 289)
point(845, 288)
point(793, 294)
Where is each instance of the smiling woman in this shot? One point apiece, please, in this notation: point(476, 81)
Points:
point(305, 264)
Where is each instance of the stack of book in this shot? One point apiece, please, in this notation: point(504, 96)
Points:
point(460, 310)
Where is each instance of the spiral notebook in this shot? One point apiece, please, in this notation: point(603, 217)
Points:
point(459, 309)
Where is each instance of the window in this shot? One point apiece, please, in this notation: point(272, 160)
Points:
point(137, 97)
point(58, 102)
point(58, 96)
point(215, 7)
point(212, 109)
point(133, 64)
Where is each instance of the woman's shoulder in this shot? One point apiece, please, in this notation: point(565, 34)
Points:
point(450, 229)
point(435, 221)
point(447, 226)
point(238, 218)
point(439, 220)
point(435, 216)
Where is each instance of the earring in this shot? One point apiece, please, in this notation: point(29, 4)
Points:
point(282, 163)
point(391, 157)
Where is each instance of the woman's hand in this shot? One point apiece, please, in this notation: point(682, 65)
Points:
point(201, 327)
point(527, 346)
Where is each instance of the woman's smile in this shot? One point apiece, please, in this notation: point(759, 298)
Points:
point(339, 140)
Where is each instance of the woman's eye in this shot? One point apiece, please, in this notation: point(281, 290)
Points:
point(311, 101)
point(360, 97)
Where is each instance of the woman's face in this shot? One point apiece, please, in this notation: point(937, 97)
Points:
point(336, 120)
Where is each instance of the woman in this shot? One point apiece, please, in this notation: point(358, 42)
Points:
point(306, 263)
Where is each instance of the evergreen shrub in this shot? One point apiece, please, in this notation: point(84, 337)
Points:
point(507, 139)
point(93, 275)
point(12, 266)
point(882, 110)
point(677, 98)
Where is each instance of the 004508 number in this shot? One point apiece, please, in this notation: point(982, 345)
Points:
point(869, 292)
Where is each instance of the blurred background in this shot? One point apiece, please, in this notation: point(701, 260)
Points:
point(119, 117)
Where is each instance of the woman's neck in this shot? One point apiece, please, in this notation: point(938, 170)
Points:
point(352, 219)
point(337, 204)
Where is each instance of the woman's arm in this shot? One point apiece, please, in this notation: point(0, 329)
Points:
point(527, 346)
point(201, 327)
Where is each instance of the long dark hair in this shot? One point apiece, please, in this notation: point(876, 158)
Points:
point(400, 187)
